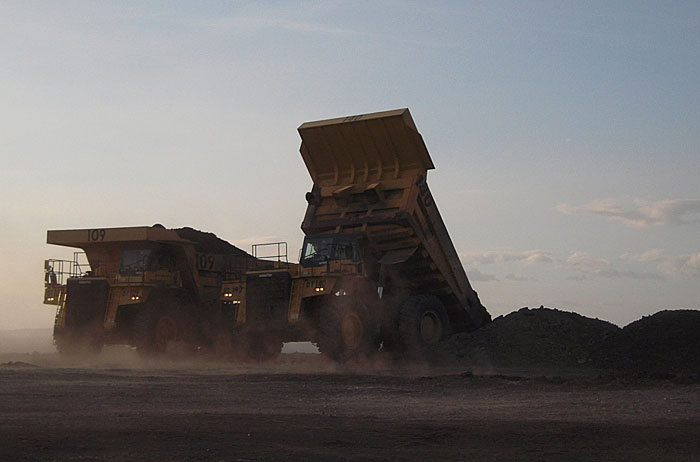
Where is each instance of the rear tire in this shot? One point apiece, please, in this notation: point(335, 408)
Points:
point(423, 322)
point(346, 331)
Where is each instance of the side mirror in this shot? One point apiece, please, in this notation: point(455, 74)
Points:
point(311, 198)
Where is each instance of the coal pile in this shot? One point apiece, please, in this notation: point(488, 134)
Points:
point(208, 242)
point(541, 337)
point(667, 342)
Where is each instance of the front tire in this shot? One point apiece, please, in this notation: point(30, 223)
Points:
point(163, 329)
point(346, 331)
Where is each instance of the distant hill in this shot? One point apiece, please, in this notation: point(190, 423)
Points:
point(26, 341)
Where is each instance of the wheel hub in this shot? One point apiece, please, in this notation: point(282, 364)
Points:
point(351, 331)
point(430, 327)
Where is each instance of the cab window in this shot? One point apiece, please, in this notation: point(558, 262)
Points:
point(134, 261)
point(318, 251)
point(343, 251)
point(163, 259)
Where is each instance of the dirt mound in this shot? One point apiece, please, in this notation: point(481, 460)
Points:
point(208, 242)
point(665, 342)
point(541, 337)
point(17, 364)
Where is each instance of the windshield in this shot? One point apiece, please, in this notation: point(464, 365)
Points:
point(318, 251)
point(162, 259)
point(134, 261)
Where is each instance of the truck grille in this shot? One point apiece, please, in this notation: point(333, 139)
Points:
point(267, 297)
point(86, 301)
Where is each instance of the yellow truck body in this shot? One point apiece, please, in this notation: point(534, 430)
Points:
point(377, 262)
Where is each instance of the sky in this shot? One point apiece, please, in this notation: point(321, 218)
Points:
point(565, 135)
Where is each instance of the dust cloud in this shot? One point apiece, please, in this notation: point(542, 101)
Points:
point(483, 401)
point(26, 341)
point(526, 342)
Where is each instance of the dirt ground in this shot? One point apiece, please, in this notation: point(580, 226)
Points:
point(303, 408)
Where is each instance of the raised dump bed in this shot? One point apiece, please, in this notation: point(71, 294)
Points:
point(377, 270)
point(369, 173)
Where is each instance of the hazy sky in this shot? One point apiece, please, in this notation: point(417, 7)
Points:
point(566, 135)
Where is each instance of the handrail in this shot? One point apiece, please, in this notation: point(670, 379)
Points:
point(57, 271)
point(281, 255)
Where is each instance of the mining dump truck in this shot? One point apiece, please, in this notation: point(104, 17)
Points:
point(378, 268)
point(153, 288)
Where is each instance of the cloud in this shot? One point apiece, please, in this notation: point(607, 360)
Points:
point(653, 255)
point(694, 261)
point(476, 275)
point(640, 213)
point(612, 273)
point(513, 277)
point(586, 259)
point(584, 266)
point(579, 277)
point(487, 257)
point(676, 266)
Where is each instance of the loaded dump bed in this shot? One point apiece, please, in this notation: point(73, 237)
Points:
point(203, 255)
point(369, 173)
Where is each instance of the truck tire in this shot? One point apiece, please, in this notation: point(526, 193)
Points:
point(346, 331)
point(261, 346)
point(423, 321)
point(163, 329)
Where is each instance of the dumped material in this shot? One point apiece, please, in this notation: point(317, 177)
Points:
point(533, 338)
point(666, 342)
point(21, 364)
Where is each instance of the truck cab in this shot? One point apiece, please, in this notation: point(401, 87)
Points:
point(331, 253)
